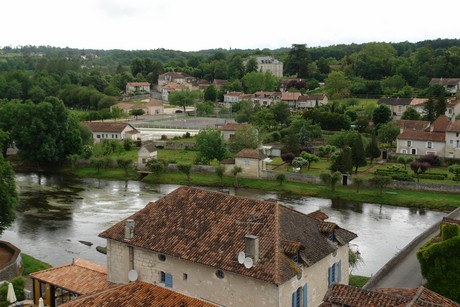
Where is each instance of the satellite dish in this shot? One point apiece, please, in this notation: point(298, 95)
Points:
point(132, 275)
point(241, 257)
point(248, 263)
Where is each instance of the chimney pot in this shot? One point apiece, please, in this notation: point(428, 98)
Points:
point(251, 248)
point(129, 229)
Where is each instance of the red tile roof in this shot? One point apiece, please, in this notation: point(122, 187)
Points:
point(154, 103)
point(290, 96)
point(418, 102)
point(250, 154)
point(417, 135)
point(319, 215)
point(311, 97)
point(454, 127)
point(137, 294)
point(354, 297)
point(81, 277)
point(440, 124)
point(411, 124)
point(395, 101)
point(138, 84)
point(108, 127)
point(209, 227)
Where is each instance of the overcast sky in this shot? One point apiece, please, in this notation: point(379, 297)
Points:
point(191, 25)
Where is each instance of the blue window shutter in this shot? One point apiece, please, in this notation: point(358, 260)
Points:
point(329, 276)
point(305, 296)
point(168, 280)
point(339, 274)
point(294, 294)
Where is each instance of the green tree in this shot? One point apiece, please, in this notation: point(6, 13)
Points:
point(281, 112)
point(157, 167)
point(299, 163)
point(387, 133)
point(411, 114)
point(137, 112)
point(210, 145)
point(205, 108)
point(337, 85)
point(310, 158)
point(236, 67)
point(251, 65)
point(381, 115)
point(358, 155)
point(358, 182)
point(331, 179)
point(264, 119)
point(73, 158)
point(280, 178)
point(8, 195)
point(4, 142)
point(184, 98)
point(185, 169)
point(404, 160)
point(343, 163)
point(260, 81)
point(235, 171)
point(125, 164)
point(210, 93)
point(372, 149)
point(296, 63)
point(455, 169)
point(244, 138)
point(380, 182)
point(220, 171)
point(98, 163)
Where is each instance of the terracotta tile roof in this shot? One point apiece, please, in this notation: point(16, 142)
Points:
point(174, 75)
point(418, 102)
point(454, 127)
point(319, 215)
point(452, 101)
point(440, 124)
point(411, 124)
point(327, 227)
point(209, 227)
point(227, 161)
point(81, 277)
point(395, 101)
point(290, 96)
point(311, 97)
point(234, 127)
point(354, 297)
point(290, 247)
point(445, 81)
point(171, 86)
point(448, 220)
point(251, 154)
point(137, 294)
point(107, 126)
point(154, 103)
point(236, 94)
point(417, 135)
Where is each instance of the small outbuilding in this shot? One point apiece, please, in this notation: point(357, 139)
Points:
point(145, 154)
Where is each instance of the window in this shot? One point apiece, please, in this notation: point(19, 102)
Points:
point(296, 258)
point(162, 257)
point(458, 144)
point(409, 143)
point(300, 297)
point(185, 276)
point(429, 144)
point(166, 279)
point(456, 134)
point(334, 273)
point(451, 142)
point(98, 136)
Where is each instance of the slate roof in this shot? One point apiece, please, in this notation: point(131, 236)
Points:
point(149, 146)
point(112, 127)
point(251, 154)
point(311, 97)
point(395, 101)
point(234, 127)
point(445, 81)
point(344, 295)
point(137, 293)
point(209, 227)
point(81, 277)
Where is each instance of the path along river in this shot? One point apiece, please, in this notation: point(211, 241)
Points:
point(57, 211)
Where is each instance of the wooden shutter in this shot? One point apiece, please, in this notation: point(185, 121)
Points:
point(168, 280)
point(339, 273)
point(305, 296)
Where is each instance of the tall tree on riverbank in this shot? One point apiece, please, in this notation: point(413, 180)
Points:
point(8, 195)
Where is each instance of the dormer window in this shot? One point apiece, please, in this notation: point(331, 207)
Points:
point(331, 236)
point(295, 258)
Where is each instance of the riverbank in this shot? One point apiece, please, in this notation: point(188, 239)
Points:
point(393, 197)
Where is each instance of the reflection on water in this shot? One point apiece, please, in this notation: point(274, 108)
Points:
point(57, 211)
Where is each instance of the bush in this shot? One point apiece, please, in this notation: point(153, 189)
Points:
point(433, 160)
point(432, 176)
point(164, 137)
point(187, 135)
point(128, 144)
point(449, 231)
point(87, 151)
point(401, 177)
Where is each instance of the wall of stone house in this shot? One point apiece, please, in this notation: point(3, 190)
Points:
point(422, 150)
point(295, 177)
point(174, 145)
point(316, 278)
point(200, 280)
point(250, 167)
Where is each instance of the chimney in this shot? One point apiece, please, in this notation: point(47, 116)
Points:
point(129, 229)
point(251, 247)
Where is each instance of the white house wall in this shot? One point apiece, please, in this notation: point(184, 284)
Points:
point(421, 147)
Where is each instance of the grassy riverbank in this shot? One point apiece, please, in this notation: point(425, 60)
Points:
point(32, 264)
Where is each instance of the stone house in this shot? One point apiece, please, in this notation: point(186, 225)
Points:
point(229, 129)
point(291, 99)
point(265, 99)
point(150, 107)
point(177, 77)
point(145, 154)
point(311, 101)
point(268, 63)
point(251, 161)
point(111, 131)
point(229, 250)
point(397, 105)
point(452, 85)
point(137, 88)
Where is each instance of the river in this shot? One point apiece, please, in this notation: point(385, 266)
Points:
point(58, 211)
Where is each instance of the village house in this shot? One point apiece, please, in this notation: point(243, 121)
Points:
point(150, 106)
point(176, 77)
point(343, 295)
point(145, 154)
point(231, 98)
point(397, 105)
point(265, 99)
point(291, 99)
point(311, 101)
point(229, 129)
point(268, 63)
point(452, 85)
point(111, 131)
point(251, 251)
point(252, 162)
point(137, 88)
point(441, 138)
point(418, 104)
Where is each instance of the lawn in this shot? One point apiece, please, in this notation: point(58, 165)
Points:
point(32, 264)
point(177, 156)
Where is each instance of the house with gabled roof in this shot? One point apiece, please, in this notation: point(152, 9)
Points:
point(291, 99)
point(265, 99)
point(311, 101)
point(146, 153)
point(111, 131)
point(229, 129)
point(177, 77)
point(229, 250)
point(252, 162)
point(342, 295)
point(397, 105)
point(137, 88)
point(452, 85)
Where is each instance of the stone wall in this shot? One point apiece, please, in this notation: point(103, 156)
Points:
point(421, 186)
point(295, 177)
point(174, 145)
point(14, 266)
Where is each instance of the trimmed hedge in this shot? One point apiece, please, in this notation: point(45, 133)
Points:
point(433, 176)
point(388, 172)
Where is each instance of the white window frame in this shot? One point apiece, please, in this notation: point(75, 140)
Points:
point(429, 144)
point(409, 143)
